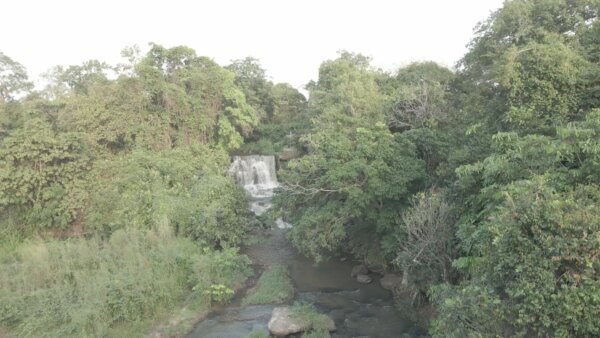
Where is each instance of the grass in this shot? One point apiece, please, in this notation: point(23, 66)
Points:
point(319, 324)
point(115, 288)
point(273, 287)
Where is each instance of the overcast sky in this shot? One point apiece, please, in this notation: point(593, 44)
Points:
point(290, 38)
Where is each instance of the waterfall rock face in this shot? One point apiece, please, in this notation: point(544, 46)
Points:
point(257, 174)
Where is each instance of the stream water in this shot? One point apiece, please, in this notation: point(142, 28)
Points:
point(358, 310)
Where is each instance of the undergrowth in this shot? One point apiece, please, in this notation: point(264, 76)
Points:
point(90, 287)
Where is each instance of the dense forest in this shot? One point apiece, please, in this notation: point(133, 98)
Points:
point(480, 185)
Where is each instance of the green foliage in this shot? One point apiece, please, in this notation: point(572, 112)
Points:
point(284, 125)
point(219, 293)
point(180, 188)
point(41, 176)
point(87, 287)
point(347, 187)
point(534, 268)
point(346, 190)
point(202, 101)
point(273, 287)
point(522, 69)
point(421, 96)
point(13, 79)
point(318, 324)
point(527, 243)
point(512, 139)
point(541, 80)
point(215, 212)
point(169, 98)
point(252, 80)
point(263, 145)
point(347, 92)
point(425, 240)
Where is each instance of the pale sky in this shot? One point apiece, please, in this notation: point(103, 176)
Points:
point(290, 38)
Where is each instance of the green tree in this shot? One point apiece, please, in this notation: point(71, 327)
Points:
point(200, 98)
point(421, 96)
point(13, 83)
point(251, 78)
point(425, 241)
point(521, 70)
point(13, 79)
point(346, 191)
point(525, 238)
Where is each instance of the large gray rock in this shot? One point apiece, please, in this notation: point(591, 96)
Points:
point(359, 270)
point(363, 279)
point(283, 323)
point(388, 281)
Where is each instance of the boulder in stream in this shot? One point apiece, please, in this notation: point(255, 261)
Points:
point(363, 279)
point(359, 270)
point(284, 323)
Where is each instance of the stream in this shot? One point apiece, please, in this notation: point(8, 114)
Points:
point(358, 310)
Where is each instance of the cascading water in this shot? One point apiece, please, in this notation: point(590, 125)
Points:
point(257, 174)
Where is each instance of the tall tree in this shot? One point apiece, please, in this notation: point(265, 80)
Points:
point(13, 83)
point(345, 192)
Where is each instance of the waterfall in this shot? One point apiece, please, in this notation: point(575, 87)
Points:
point(256, 173)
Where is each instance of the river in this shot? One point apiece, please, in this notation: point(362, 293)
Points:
point(358, 310)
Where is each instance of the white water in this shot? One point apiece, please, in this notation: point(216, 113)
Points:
point(257, 174)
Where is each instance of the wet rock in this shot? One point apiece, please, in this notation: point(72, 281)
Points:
point(390, 280)
point(283, 324)
point(363, 279)
point(359, 270)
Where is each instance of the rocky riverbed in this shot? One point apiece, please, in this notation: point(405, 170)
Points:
point(358, 310)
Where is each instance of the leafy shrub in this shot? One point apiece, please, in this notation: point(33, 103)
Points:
point(215, 213)
point(425, 241)
point(536, 268)
point(181, 188)
point(219, 292)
